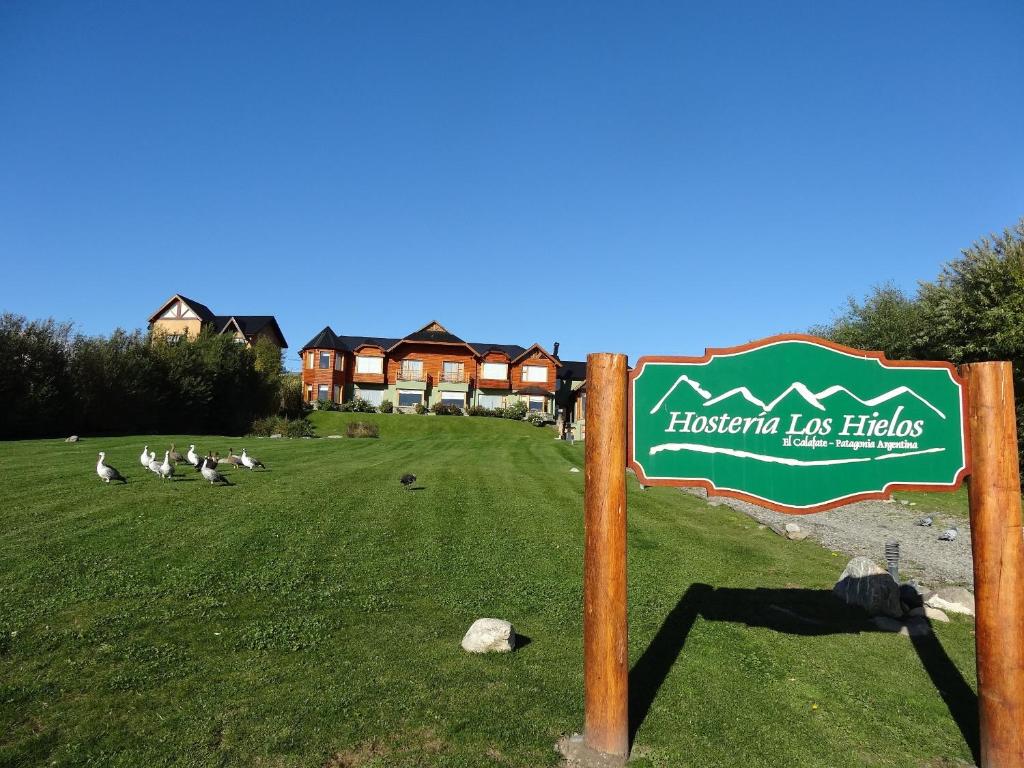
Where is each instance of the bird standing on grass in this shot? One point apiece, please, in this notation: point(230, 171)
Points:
point(925, 521)
point(407, 480)
point(176, 455)
point(144, 458)
point(154, 465)
point(192, 456)
point(107, 472)
point(167, 468)
point(251, 462)
point(949, 534)
point(212, 474)
point(231, 458)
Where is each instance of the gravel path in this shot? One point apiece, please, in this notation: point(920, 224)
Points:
point(864, 527)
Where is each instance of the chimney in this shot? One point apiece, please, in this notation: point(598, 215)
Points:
point(554, 350)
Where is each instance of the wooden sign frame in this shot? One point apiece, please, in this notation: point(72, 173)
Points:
point(997, 550)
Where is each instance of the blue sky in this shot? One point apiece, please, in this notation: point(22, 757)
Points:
point(648, 178)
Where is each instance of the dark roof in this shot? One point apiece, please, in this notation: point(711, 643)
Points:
point(512, 350)
point(249, 325)
point(204, 312)
point(442, 336)
point(326, 339)
point(354, 342)
point(576, 370)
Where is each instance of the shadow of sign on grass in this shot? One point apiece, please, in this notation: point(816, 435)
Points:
point(811, 612)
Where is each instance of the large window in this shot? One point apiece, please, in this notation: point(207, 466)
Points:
point(412, 370)
point(454, 398)
point(453, 371)
point(323, 392)
point(536, 402)
point(490, 401)
point(535, 373)
point(494, 371)
point(409, 397)
point(373, 396)
point(339, 360)
point(309, 393)
point(309, 360)
point(325, 359)
point(369, 364)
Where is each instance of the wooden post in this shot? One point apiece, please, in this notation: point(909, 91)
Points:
point(605, 646)
point(998, 563)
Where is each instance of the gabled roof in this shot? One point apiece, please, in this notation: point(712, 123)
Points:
point(352, 343)
point(248, 325)
point(202, 311)
point(433, 333)
point(537, 348)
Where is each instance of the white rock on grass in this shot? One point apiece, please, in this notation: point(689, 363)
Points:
point(936, 615)
point(489, 636)
point(574, 469)
point(952, 599)
point(72, 439)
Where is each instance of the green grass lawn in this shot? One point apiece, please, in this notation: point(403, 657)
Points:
point(311, 615)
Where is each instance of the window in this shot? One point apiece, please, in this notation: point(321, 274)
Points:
point(373, 396)
point(453, 371)
point(325, 360)
point(367, 364)
point(412, 370)
point(535, 373)
point(454, 398)
point(239, 339)
point(309, 393)
point(337, 393)
point(409, 397)
point(309, 360)
point(536, 402)
point(494, 371)
point(323, 392)
point(490, 401)
point(339, 361)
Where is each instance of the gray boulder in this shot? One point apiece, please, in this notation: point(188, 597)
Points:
point(868, 586)
point(489, 636)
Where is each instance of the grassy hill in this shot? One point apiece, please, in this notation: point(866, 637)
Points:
point(311, 615)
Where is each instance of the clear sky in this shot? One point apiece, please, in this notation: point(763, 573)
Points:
point(648, 178)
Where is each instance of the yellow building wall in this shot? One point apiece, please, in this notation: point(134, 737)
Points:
point(178, 327)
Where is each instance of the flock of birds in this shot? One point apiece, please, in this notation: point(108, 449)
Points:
point(947, 535)
point(205, 465)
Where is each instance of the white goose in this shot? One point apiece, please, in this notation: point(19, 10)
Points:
point(192, 456)
point(106, 472)
point(212, 474)
point(144, 458)
point(154, 465)
point(167, 469)
point(250, 462)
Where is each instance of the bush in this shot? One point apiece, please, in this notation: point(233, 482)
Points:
point(325, 405)
point(479, 410)
point(292, 404)
point(540, 418)
point(362, 429)
point(386, 406)
point(516, 410)
point(280, 425)
point(421, 409)
point(357, 405)
point(446, 409)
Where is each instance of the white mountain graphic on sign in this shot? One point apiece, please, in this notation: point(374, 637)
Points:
point(812, 398)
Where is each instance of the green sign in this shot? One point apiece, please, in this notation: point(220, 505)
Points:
point(797, 423)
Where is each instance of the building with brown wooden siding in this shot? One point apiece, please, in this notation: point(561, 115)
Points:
point(428, 366)
point(182, 317)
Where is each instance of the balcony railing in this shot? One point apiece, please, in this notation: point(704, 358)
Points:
point(411, 374)
point(455, 377)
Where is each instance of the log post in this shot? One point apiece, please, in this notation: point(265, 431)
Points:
point(994, 490)
point(605, 646)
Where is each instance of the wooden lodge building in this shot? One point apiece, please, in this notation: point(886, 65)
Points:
point(181, 317)
point(432, 365)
